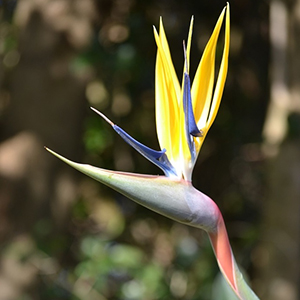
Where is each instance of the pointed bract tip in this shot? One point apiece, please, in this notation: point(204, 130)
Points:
point(103, 116)
point(192, 22)
point(185, 58)
point(227, 7)
point(50, 151)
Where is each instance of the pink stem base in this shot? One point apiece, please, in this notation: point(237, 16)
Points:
point(223, 253)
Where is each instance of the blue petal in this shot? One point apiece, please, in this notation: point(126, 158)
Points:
point(190, 123)
point(135, 144)
point(188, 108)
point(159, 158)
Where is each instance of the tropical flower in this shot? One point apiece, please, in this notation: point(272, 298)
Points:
point(184, 114)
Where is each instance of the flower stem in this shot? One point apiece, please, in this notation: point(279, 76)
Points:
point(227, 264)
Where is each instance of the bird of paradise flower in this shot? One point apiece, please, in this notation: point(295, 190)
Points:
point(184, 114)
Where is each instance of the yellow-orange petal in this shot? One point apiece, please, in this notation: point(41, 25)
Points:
point(222, 74)
point(186, 67)
point(163, 45)
point(203, 82)
point(167, 93)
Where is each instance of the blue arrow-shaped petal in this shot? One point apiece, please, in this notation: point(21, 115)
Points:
point(159, 158)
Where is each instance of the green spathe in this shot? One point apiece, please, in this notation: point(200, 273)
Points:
point(173, 198)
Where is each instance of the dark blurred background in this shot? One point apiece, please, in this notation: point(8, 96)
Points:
point(64, 236)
